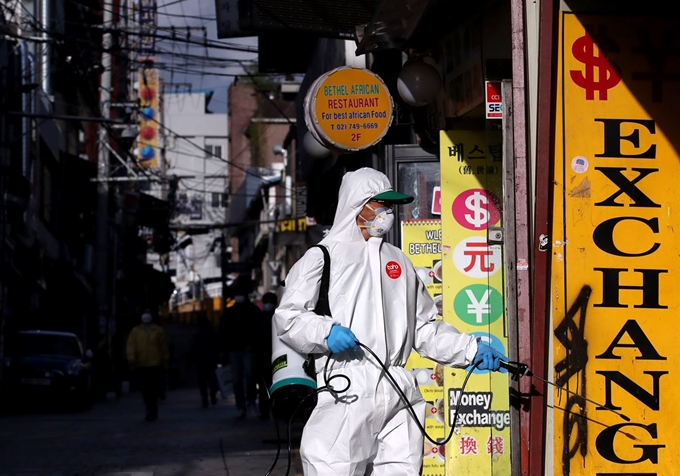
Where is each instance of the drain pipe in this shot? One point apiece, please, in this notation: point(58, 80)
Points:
point(46, 48)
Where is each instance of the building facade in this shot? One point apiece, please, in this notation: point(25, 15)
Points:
point(195, 165)
point(71, 208)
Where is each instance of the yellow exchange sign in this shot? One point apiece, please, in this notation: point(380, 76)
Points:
point(615, 249)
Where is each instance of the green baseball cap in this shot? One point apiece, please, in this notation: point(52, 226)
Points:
point(394, 197)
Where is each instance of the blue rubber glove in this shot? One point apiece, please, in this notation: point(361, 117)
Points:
point(488, 358)
point(341, 339)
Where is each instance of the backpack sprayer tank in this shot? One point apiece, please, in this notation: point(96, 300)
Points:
point(293, 390)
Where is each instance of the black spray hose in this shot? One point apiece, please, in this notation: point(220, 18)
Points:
point(401, 394)
point(333, 390)
point(515, 369)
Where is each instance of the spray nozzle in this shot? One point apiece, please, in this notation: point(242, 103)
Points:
point(517, 369)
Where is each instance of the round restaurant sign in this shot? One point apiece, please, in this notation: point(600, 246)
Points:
point(348, 109)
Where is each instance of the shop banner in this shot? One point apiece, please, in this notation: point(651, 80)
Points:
point(421, 241)
point(471, 191)
point(615, 248)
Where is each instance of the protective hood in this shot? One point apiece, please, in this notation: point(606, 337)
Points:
point(356, 190)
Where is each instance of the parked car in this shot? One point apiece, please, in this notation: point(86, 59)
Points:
point(49, 364)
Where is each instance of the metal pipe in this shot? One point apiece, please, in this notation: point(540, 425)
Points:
point(522, 216)
point(509, 264)
point(27, 76)
point(103, 295)
point(46, 49)
point(63, 117)
point(542, 226)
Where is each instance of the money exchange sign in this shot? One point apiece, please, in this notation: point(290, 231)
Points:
point(615, 248)
point(471, 187)
point(421, 241)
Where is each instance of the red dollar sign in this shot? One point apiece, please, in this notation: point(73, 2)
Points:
point(608, 76)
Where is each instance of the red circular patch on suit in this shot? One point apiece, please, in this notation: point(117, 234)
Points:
point(393, 269)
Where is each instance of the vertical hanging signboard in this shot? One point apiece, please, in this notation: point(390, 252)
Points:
point(615, 247)
point(471, 171)
point(421, 241)
point(148, 20)
point(149, 118)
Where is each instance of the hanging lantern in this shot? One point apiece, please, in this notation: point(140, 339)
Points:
point(147, 94)
point(419, 81)
point(148, 153)
point(148, 133)
point(314, 148)
point(148, 113)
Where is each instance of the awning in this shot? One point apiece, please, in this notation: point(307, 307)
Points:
point(152, 212)
point(146, 285)
point(392, 26)
point(405, 24)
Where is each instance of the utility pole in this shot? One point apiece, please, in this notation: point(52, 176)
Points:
point(224, 259)
point(162, 142)
point(102, 270)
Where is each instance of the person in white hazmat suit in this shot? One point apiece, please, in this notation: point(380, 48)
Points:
point(376, 298)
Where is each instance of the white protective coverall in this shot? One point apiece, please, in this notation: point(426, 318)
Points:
point(374, 291)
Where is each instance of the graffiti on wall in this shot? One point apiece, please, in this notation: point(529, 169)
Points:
point(570, 333)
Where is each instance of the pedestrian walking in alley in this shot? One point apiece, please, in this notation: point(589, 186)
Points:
point(147, 354)
point(263, 354)
point(237, 336)
point(204, 355)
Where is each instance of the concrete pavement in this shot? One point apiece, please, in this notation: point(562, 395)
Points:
point(112, 439)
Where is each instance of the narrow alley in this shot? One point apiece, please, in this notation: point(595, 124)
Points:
point(112, 439)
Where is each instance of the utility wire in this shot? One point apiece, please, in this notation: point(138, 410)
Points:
point(170, 67)
point(207, 152)
point(204, 44)
point(138, 32)
point(165, 5)
point(36, 27)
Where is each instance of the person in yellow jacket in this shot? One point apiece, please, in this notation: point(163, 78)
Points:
point(147, 354)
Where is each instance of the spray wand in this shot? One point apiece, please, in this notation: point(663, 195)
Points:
point(519, 369)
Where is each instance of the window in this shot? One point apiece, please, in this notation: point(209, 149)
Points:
point(418, 179)
point(47, 344)
point(217, 199)
point(213, 151)
point(415, 172)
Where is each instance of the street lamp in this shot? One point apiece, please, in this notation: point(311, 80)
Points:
point(287, 208)
point(280, 150)
point(286, 176)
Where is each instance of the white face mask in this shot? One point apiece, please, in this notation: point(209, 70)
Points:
point(146, 318)
point(381, 224)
